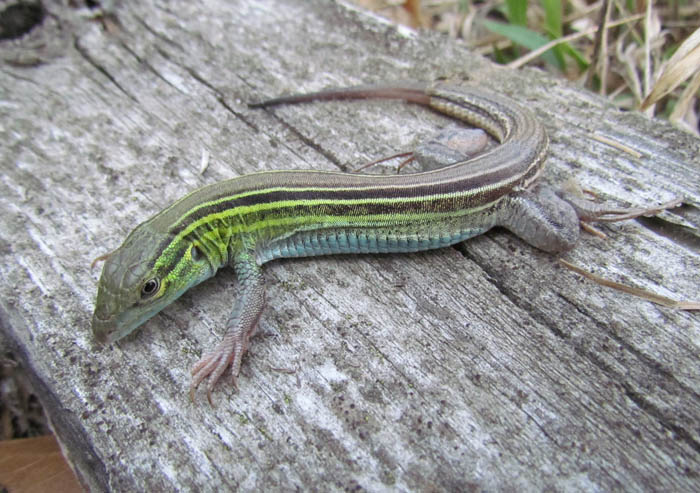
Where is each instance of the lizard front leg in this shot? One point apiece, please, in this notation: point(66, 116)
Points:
point(241, 326)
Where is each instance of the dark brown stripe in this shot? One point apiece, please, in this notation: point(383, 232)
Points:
point(413, 196)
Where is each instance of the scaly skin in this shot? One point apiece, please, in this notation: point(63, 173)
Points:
point(247, 221)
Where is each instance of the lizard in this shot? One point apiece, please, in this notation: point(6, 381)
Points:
point(247, 221)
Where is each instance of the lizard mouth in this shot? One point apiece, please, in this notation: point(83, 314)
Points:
point(103, 328)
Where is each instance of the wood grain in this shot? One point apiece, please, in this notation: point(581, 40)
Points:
point(480, 367)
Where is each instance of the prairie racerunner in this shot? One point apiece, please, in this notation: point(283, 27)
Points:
point(247, 221)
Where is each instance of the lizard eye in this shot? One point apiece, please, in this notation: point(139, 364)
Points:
point(149, 288)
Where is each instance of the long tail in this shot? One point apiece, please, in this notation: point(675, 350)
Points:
point(415, 93)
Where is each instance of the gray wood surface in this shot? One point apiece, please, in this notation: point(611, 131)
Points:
point(484, 366)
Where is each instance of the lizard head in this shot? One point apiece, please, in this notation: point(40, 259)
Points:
point(145, 274)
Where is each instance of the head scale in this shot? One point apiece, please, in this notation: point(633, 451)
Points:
point(148, 272)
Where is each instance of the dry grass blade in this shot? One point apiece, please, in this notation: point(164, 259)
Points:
point(685, 104)
point(634, 291)
point(623, 63)
point(682, 65)
point(617, 145)
point(599, 64)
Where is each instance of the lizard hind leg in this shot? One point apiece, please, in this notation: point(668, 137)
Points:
point(541, 218)
point(451, 145)
point(550, 221)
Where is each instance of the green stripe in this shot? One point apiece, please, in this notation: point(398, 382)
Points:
point(285, 204)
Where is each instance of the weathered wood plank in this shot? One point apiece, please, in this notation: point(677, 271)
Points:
point(483, 366)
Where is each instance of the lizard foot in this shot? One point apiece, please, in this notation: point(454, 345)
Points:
point(230, 351)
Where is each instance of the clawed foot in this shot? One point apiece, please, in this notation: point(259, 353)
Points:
point(230, 351)
point(603, 213)
point(241, 327)
point(588, 211)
